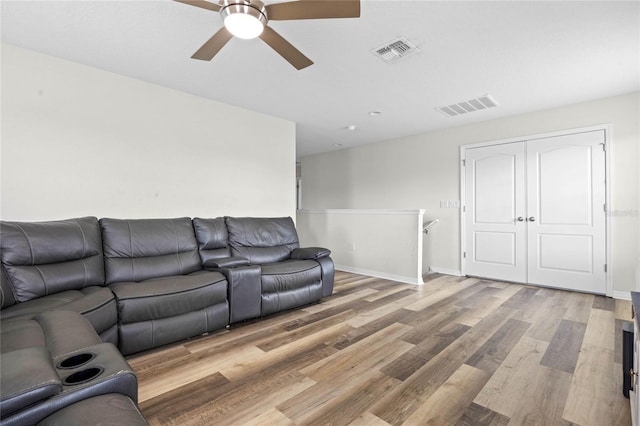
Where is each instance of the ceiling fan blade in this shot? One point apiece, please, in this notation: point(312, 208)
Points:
point(313, 9)
point(202, 4)
point(285, 49)
point(213, 45)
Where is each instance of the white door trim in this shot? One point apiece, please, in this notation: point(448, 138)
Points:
point(607, 128)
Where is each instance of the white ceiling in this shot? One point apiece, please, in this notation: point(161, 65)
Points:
point(528, 55)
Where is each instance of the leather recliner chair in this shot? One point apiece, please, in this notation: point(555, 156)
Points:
point(56, 265)
point(153, 267)
point(267, 270)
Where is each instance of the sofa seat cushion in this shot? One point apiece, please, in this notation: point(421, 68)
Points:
point(169, 296)
point(20, 334)
point(289, 275)
point(97, 304)
point(111, 409)
point(290, 284)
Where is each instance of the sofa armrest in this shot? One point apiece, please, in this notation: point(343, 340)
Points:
point(28, 377)
point(226, 262)
point(310, 253)
point(244, 292)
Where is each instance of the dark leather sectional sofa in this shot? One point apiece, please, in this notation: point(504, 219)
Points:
point(78, 294)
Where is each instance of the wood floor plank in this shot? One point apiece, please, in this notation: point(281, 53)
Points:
point(476, 415)
point(594, 388)
point(337, 301)
point(354, 397)
point(564, 348)
point(269, 418)
point(411, 361)
point(188, 397)
point(481, 310)
point(546, 395)
point(368, 419)
point(398, 316)
point(298, 333)
point(429, 323)
point(493, 352)
point(456, 350)
point(447, 404)
point(580, 307)
point(193, 368)
point(240, 369)
point(392, 303)
point(521, 299)
point(441, 294)
point(544, 313)
point(373, 352)
point(623, 309)
point(605, 303)
point(509, 387)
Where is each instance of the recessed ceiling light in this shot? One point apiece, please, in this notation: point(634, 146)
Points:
point(337, 145)
point(374, 113)
point(351, 127)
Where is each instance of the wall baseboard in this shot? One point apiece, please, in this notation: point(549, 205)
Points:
point(624, 295)
point(378, 274)
point(445, 271)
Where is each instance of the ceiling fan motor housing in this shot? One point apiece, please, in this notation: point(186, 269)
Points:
point(254, 8)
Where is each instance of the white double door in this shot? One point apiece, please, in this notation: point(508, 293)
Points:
point(535, 212)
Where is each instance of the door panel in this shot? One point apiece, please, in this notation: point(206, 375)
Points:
point(566, 197)
point(495, 240)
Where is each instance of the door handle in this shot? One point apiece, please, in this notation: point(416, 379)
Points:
point(520, 219)
point(532, 219)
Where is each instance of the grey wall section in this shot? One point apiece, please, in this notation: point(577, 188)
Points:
point(80, 141)
point(422, 170)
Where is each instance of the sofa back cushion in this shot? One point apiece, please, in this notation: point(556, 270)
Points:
point(262, 240)
point(212, 237)
point(43, 258)
point(141, 249)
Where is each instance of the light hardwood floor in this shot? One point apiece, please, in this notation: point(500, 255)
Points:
point(456, 351)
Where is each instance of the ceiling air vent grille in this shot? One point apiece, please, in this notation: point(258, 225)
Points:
point(471, 105)
point(397, 49)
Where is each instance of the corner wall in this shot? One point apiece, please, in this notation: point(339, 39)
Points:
point(420, 171)
point(80, 141)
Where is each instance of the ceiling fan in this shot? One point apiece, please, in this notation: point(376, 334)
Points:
point(248, 19)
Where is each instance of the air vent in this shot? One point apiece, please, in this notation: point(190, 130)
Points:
point(471, 105)
point(395, 50)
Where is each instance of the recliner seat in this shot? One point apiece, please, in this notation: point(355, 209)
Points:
point(56, 265)
point(290, 276)
point(153, 267)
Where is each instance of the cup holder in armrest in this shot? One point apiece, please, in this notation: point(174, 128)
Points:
point(76, 360)
point(83, 376)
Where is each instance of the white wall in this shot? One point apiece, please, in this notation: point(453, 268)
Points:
point(379, 243)
point(420, 171)
point(81, 141)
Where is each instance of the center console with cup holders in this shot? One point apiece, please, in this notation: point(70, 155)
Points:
point(38, 380)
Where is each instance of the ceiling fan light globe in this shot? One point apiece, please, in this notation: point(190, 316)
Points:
point(243, 26)
point(244, 19)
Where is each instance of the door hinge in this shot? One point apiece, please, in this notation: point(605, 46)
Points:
point(464, 163)
point(605, 267)
point(604, 147)
point(605, 207)
point(464, 255)
point(464, 209)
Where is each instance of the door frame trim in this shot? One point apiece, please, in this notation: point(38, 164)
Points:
point(607, 128)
